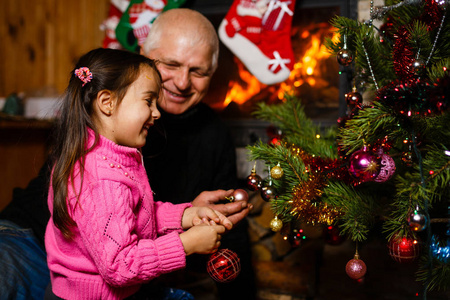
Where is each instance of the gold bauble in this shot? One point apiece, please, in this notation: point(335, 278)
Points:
point(276, 224)
point(276, 172)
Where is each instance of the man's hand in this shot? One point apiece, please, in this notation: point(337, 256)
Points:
point(234, 211)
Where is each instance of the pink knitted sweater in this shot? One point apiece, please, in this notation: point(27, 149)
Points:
point(122, 237)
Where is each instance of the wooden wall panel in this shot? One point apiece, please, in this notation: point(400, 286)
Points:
point(40, 40)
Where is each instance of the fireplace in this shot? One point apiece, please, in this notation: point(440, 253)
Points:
point(317, 79)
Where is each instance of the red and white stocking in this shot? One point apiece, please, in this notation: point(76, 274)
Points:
point(258, 33)
point(116, 10)
point(142, 15)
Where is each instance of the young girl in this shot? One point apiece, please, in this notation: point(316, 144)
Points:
point(107, 236)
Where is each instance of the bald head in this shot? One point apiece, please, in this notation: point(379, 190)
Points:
point(187, 24)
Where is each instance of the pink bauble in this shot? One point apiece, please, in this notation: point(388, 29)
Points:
point(364, 165)
point(224, 265)
point(355, 268)
point(240, 195)
point(387, 168)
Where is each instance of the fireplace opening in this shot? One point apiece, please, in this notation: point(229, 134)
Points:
point(315, 79)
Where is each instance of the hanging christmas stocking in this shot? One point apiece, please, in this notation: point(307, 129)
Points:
point(116, 9)
point(135, 23)
point(258, 33)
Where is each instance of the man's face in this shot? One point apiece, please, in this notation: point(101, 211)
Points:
point(186, 72)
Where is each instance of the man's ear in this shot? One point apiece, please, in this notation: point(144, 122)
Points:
point(105, 102)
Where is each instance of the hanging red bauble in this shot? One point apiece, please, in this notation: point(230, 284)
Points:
point(356, 268)
point(387, 168)
point(354, 99)
point(223, 265)
point(344, 57)
point(364, 165)
point(275, 141)
point(403, 249)
point(254, 181)
point(332, 235)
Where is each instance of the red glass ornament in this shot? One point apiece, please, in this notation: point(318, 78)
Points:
point(353, 99)
point(344, 57)
point(254, 181)
point(223, 265)
point(403, 249)
point(240, 195)
point(364, 165)
point(356, 268)
point(275, 141)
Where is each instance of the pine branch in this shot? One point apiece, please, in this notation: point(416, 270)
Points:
point(439, 279)
point(357, 207)
point(297, 128)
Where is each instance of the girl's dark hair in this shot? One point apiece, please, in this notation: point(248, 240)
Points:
point(113, 70)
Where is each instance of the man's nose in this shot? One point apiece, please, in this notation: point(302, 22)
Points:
point(182, 79)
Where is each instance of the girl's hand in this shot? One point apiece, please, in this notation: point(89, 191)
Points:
point(235, 211)
point(202, 239)
point(204, 215)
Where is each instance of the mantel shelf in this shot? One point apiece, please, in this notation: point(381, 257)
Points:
point(17, 122)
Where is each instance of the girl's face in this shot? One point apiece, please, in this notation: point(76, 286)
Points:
point(137, 111)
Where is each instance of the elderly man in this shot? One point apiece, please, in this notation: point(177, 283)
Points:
point(197, 153)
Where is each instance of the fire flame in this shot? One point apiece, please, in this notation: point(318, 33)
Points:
point(305, 70)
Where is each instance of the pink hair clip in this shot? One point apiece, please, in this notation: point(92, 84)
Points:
point(84, 74)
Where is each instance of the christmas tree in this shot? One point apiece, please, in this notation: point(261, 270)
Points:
point(388, 159)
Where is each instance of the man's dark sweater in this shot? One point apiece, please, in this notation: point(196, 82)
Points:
point(190, 153)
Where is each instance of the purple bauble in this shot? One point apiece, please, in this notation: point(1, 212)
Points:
point(364, 165)
point(387, 168)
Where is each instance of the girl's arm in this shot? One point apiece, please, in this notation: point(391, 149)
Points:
point(107, 226)
point(168, 216)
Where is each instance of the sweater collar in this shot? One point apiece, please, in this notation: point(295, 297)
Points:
point(126, 156)
point(188, 118)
